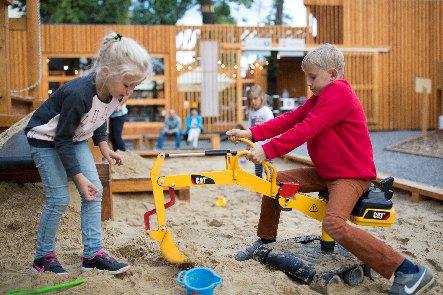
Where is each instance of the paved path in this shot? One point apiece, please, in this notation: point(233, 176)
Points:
point(427, 170)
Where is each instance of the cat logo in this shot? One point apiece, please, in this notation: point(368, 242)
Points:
point(200, 179)
point(378, 215)
point(313, 208)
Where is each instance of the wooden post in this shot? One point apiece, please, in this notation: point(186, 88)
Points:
point(425, 114)
point(32, 48)
point(423, 86)
point(5, 86)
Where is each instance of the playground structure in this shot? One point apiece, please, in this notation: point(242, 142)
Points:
point(374, 208)
point(384, 53)
point(382, 60)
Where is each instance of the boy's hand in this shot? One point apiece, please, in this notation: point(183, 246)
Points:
point(239, 133)
point(256, 154)
point(112, 157)
point(86, 188)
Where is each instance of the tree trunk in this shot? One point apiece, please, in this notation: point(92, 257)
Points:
point(207, 9)
point(273, 62)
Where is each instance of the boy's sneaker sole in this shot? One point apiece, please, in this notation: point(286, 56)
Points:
point(426, 287)
point(114, 272)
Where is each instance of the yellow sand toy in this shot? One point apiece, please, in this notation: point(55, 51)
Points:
point(373, 209)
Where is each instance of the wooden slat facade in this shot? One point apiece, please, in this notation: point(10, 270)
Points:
point(411, 30)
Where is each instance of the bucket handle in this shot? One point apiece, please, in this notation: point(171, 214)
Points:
point(181, 277)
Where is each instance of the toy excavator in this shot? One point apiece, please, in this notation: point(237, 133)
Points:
point(300, 257)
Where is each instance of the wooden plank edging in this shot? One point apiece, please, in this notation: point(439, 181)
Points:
point(417, 190)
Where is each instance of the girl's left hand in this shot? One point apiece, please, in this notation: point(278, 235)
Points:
point(256, 154)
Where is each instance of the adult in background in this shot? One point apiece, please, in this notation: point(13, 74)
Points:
point(171, 127)
point(194, 126)
point(116, 122)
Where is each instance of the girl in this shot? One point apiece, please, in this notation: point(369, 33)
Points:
point(58, 133)
point(259, 112)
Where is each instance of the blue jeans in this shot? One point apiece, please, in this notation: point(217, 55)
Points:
point(55, 185)
point(161, 138)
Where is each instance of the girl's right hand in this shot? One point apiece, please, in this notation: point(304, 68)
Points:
point(239, 133)
point(85, 187)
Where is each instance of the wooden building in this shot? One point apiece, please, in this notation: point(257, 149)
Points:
point(387, 44)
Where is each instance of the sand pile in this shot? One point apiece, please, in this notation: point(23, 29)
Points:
point(209, 235)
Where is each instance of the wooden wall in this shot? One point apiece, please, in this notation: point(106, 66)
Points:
point(413, 32)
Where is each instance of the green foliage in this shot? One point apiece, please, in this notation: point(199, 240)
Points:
point(82, 11)
point(222, 13)
point(159, 12)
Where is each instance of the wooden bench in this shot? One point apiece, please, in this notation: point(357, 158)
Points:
point(137, 140)
point(150, 139)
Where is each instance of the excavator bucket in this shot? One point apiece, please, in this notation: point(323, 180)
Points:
point(168, 246)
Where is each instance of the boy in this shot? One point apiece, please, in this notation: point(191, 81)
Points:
point(333, 124)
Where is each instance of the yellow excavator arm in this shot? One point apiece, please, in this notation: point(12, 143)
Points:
point(286, 196)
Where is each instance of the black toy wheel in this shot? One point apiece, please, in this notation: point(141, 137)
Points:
point(353, 276)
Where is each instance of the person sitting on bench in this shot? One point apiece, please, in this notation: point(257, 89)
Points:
point(171, 127)
point(194, 126)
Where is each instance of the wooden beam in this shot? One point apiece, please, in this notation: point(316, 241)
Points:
point(17, 24)
point(417, 190)
point(31, 174)
point(32, 48)
point(7, 121)
point(104, 174)
point(5, 83)
point(137, 185)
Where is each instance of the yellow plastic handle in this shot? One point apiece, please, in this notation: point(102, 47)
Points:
point(242, 139)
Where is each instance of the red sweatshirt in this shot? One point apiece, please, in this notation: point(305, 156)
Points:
point(333, 124)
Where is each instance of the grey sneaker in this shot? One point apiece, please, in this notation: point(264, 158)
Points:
point(415, 283)
point(246, 254)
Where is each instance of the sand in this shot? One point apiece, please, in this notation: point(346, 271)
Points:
point(208, 234)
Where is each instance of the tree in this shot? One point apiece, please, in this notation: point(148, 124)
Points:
point(219, 11)
point(159, 12)
point(82, 11)
point(272, 59)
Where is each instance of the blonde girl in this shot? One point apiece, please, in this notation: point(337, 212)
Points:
point(58, 133)
point(258, 112)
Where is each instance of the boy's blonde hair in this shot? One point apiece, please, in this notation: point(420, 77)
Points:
point(122, 56)
point(326, 57)
point(260, 93)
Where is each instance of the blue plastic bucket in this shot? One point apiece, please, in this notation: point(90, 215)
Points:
point(199, 280)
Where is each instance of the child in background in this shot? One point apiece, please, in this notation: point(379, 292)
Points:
point(333, 124)
point(58, 133)
point(258, 113)
point(194, 126)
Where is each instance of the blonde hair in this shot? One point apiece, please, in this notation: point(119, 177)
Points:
point(122, 56)
point(260, 93)
point(326, 57)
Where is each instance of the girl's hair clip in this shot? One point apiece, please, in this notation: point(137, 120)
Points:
point(118, 37)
